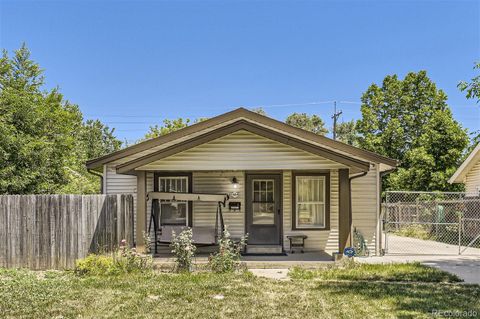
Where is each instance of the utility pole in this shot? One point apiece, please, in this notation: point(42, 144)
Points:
point(335, 118)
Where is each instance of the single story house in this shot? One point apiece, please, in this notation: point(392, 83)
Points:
point(280, 181)
point(469, 173)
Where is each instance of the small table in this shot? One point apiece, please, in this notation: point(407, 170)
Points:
point(297, 241)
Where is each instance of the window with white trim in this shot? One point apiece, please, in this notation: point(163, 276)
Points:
point(310, 202)
point(173, 212)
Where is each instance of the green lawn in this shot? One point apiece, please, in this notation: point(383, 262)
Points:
point(205, 295)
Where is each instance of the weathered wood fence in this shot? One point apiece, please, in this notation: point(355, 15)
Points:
point(52, 231)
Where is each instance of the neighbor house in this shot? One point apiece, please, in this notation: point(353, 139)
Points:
point(280, 181)
point(469, 173)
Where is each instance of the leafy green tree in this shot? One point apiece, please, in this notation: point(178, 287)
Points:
point(311, 123)
point(98, 139)
point(346, 132)
point(36, 128)
point(41, 145)
point(168, 126)
point(409, 120)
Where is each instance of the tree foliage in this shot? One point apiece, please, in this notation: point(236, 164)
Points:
point(472, 90)
point(168, 126)
point(259, 110)
point(346, 132)
point(44, 142)
point(312, 123)
point(409, 120)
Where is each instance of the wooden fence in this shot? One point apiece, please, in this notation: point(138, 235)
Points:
point(52, 231)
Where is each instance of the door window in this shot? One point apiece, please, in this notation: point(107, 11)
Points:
point(263, 212)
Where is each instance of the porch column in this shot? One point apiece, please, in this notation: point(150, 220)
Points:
point(344, 209)
point(141, 209)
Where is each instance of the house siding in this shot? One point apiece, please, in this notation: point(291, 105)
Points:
point(216, 182)
point(365, 207)
point(242, 150)
point(472, 180)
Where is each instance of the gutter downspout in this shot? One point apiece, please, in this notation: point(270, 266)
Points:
point(98, 175)
point(350, 201)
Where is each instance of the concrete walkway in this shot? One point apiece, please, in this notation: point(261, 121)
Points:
point(432, 253)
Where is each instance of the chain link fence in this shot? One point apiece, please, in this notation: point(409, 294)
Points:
point(432, 223)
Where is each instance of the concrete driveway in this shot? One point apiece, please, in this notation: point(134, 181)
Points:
point(432, 253)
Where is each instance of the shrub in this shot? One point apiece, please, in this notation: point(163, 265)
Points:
point(183, 249)
point(124, 260)
point(227, 259)
point(414, 231)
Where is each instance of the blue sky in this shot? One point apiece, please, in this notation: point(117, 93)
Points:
point(133, 63)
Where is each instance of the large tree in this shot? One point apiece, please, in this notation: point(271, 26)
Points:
point(346, 132)
point(410, 120)
point(41, 144)
point(312, 123)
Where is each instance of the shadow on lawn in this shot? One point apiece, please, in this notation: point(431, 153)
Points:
point(410, 300)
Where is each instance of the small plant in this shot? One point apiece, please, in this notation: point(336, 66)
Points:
point(227, 259)
point(124, 260)
point(183, 249)
point(359, 243)
point(148, 243)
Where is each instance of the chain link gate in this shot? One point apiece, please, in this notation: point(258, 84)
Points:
point(431, 223)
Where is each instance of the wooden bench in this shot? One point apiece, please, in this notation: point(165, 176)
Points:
point(297, 241)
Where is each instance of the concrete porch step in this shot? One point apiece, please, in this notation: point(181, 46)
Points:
point(264, 249)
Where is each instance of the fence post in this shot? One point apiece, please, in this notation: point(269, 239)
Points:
point(460, 233)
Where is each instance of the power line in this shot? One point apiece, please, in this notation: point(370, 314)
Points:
point(248, 106)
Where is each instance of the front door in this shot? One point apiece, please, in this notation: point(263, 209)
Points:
point(263, 207)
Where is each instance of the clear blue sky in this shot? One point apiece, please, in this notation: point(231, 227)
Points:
point(133, 63)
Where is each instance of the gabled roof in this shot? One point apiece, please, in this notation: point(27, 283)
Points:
point(253, 121)
point(462, 171)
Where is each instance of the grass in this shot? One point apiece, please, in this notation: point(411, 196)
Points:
point(415, 231)
point(409, 272)
point(30, 294)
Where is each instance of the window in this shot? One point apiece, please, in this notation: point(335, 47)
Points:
point(173, 212)
point(263, 202)
point(311, 202)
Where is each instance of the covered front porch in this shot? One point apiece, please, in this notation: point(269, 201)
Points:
point(270, 206)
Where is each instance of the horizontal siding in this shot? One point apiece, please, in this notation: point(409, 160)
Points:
point(365, 207)
point(472, 180)
point(121, 184)
point(216, 182)
point(168, 144)
point(242, 150)
point(326, 240)
point(118, 183)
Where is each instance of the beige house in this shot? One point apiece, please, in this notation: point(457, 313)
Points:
point(277, 181)
point(469, 173)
